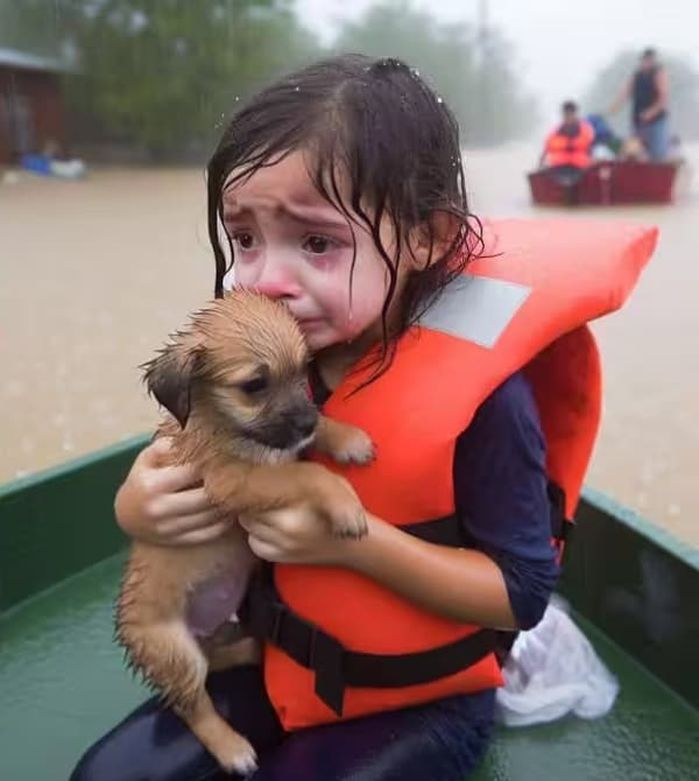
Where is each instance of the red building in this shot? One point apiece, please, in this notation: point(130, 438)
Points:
point(31, 105)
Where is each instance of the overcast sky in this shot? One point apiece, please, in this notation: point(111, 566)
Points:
point(560, 44)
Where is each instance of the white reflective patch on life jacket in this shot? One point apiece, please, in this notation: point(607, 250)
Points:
point(476, 309)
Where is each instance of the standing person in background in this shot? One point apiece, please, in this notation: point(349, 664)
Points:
point(648, 91)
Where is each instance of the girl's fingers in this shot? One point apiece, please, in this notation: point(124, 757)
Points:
point(261, 531)
point(207, 534)
point(183, 525)
point(280, 520)
point(172, 479)
point(157, 453)
point(248, 522)
point(169, 477)
point(264, 550)
point(188, 502)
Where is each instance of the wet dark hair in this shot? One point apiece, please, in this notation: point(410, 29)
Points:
point(397, 143)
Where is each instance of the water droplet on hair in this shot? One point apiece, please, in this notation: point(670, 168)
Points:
point(440, 100)
point(415, 73)
point(297, 88)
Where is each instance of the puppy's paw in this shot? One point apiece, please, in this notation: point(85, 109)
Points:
point(337, 501)
point(351, 523)
point(355, 447)
point(239, 757)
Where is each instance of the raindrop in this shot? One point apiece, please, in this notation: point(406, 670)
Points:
point(296, 88)
point(236, 98)
point(440, 100)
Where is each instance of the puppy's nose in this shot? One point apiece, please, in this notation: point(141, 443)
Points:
point(305, 421)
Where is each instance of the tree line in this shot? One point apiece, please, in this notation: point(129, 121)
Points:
point(162, 75)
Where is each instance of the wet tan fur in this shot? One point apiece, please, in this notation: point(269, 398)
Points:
point(225, 344)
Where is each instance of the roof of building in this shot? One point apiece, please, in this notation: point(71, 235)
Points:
point(14, 58)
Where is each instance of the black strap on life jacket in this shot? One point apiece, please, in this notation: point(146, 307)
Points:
point(561, 527)
point(335, 667)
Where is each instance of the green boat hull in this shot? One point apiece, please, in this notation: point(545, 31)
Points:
point(63, 682)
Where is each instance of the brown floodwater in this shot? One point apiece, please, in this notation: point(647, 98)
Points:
point(94, 274)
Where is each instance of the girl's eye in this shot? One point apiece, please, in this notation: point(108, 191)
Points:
point(244, 239)
point(318, 245)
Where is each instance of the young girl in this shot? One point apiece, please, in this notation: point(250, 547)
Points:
point(340, 190)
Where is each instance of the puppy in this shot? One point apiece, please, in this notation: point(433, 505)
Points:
point(235, 384)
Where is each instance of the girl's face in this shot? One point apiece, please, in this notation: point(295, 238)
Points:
point(291, 244)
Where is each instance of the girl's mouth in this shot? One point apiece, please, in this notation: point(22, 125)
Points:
point(310, 323)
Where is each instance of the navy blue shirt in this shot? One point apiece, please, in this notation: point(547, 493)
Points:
point(500, 490)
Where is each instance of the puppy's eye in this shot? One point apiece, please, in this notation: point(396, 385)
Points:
point(256, 385)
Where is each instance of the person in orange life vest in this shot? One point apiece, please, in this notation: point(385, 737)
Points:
point(340, 190)
point(567, 148)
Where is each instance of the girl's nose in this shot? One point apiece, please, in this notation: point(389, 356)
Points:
point(277, 281)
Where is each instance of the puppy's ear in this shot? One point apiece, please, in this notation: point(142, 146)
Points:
point(169, 378)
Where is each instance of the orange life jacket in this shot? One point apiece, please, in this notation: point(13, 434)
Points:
point(525, 308)
point(562, 149)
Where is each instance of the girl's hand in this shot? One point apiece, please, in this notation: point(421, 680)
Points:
point(166, 505)
point(297, 535)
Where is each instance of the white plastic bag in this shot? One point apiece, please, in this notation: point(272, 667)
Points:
point(553, 670)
